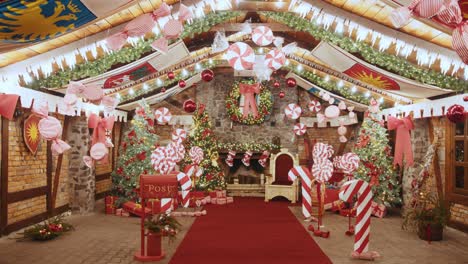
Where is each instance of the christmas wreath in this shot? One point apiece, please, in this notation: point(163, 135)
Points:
point(256, 112)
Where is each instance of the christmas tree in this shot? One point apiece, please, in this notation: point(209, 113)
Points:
point(202, 136)
point(135, 156)
point(376, 161)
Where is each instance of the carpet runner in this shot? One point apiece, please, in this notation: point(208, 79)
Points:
point(248, 231)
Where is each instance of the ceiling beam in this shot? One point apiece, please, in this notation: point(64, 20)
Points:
point(235, 27)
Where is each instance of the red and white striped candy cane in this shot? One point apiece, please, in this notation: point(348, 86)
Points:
point(184, 181)
point(185, 199)
point(364, 193)
point(166, 205)
point(194, 170)
point(306, 180)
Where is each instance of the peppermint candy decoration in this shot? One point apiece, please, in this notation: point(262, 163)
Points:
point(163, 160)
point(262, 36)
point(322, 170)
point(321, 151)
point(275, 59)
point(349, 162)
point(196, 154)
point(315, 106)
point(293, 111)
point(163, 115)
point(179, 150)
point(299, 129)
point(240, 56)
point(179, 135)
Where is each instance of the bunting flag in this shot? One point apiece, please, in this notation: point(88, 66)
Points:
point(23, 21)
point(130, 75)
point(364, 74)
point(344, 62)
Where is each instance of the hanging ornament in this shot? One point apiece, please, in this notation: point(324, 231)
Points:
point(240, 56)
point(291, 82)
point(276, 84)
point(293, 111)
point(262, 36)
point(342, 105)
point(315, 106)
point(465, 98)
point(342, 132)
point(456, 113)
point(326, 97)
point(299, 129)
point(207, 75)
point(275, 59)
point(190, 106)
point(281, 94)
point(220, 42)
point(170, 75)
point(351, 113)
point(182, 84)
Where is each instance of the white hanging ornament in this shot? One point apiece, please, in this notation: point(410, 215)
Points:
point(351, 113)
point(342, 105)
point(315, 106)
point(342, 132)
point(220, 42)
point(331, 101)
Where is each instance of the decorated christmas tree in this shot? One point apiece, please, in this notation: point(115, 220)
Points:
point(134, 159)
point(376, 161)
point(202, 136)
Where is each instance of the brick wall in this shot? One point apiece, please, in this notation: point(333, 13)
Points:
point(27, 171)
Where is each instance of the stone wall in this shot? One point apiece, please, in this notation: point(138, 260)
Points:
point(82, 180)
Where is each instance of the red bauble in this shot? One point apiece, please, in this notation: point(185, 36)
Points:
point(190, 106)
point(163, 90)
point(465, 98)
point(281, 94)
point(291, 82)
point(182, 84)
point(207, 75)
point(456, 113)
point(276, 84)
point(170, 75)
point(141, 156)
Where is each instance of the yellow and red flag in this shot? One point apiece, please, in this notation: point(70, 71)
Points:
point(376, 79)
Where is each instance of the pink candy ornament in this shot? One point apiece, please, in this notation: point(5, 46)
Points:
point(196, 154)
point(332, 112)
point(163, 115)
point(342, 132)
point(293, 111)
point(99, 151)
point(322, 151)
point(179, 135)
point(349, 162)
point(240, 56)
point(314, 106)
point(299, 129)
point(262, 36)
point(275, 59)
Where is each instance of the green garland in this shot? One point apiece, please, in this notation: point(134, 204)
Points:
point(252, 146)
point(167, 82)
point(264, 106)
point(126, 54)
point(389, 62)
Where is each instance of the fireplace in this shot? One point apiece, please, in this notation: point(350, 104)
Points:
point(242, 180)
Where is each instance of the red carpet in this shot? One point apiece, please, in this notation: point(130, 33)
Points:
point(248, 231)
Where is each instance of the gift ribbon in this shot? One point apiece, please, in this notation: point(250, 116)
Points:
point(100, 125)
point(249, 91)
point(403, 139)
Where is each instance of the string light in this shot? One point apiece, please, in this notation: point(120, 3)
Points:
point(159, 83)
point(198, 66)
point(184, 73)
point(287, 62)
point(299, 67)
point(260, 50)
point(131, 91)
point(210, 61)
point(381, 99)
point(353, 89)
point(327, 78)
point(340, 84)
point(118, 96)
point(367, 94)
point(145, 86)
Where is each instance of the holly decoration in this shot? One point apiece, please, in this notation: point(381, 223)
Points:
point(189, 106)
point(134, 159)
point(291, 82)
point(456, 113)
point(207, 75)
point(202, 136)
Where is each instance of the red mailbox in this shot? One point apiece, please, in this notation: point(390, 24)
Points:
point(154, 187)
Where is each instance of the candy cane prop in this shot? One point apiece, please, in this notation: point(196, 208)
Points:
point(185, 199)
point(306, 180)
point(361, 239)
point(166, 205)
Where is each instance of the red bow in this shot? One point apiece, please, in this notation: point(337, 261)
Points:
point(100, 125)
point(249, 91)
point(403, 139)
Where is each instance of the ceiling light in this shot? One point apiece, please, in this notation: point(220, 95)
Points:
point(367, 94)
point(210, 61)
point(117, 95)
point(184, 73)
point(340, 84)
point(299, 67)
point(131, 92)
point(327, 78)
point(159, 83)
point(198, 66)
point(145, 86)
point(353, 89)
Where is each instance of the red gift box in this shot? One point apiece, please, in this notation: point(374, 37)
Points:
point(121, 212)
point(221, 194)
point(135, 209)
point(229, 199)
point(378, 210)
point(221, 200)
point(109, 202)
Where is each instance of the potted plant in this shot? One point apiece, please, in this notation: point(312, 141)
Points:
point(428, 218)
point(159, 226)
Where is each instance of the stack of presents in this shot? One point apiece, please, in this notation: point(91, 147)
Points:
point(155, 206)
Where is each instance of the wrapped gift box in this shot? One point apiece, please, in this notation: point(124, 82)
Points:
point(378, 210)
point(229, 199)
point(221, 194)
point(121, 212)
point(109, 203)
point(135, 209)
point(221, 201)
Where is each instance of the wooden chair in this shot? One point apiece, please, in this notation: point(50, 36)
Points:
point(277, 182)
